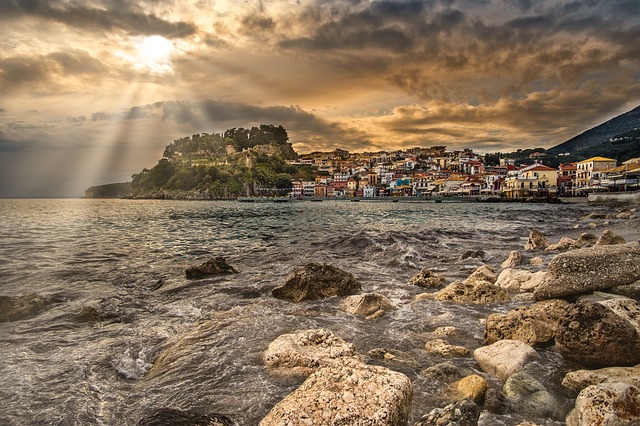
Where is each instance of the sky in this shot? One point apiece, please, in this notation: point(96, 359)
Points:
point(91, 91)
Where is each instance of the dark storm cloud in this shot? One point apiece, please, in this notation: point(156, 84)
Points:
point(78, 15)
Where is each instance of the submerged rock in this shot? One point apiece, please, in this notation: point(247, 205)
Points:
point(536, 241)
point(600, 334)
point(504, 358)
point(21, 307)
point(366, 304)
point(472, 254)
point(534, 325)
point(306, 350)
point(172, 417)
point(580, 379)
point(427, 279)
point(445, 372)
point(607, 404)
point(214, 266)
point(463, 292)
point(393, 357)
point(590, 269)
point(441, 348)
point(316, 281)
point(347, 392)
point(460, 413)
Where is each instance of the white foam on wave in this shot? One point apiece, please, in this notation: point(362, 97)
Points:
point(132, 365)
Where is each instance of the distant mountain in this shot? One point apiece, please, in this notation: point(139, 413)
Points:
point(618, 137)
point(110, 190)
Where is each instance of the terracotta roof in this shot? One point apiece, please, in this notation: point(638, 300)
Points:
point(543, 167)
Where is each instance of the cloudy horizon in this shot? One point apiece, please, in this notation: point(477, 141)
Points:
point(92, 91)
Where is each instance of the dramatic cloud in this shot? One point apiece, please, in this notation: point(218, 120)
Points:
point(93, 91)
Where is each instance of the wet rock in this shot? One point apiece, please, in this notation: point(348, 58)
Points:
point(441, 348)
point(445, 331)
point(377, 314)
point(21, 307)
point(88, 314)
point(472, 254)
point(528, 395)
point(580, 379)
point(536, 241)
point(514, 260)
point(600, 334)
point(504, 358)
point(427, 279)
point(520, 279)
point(609, 238)
point(445, 372)
point(480, 292)
point(586, 240)
point(496, 402)
point(317, 281)
point(565, 243)
point(590, 269)
point(460, 413)
point(366, 304)
point(536, 261)
point(627, 214)
point(306, 350)
point(393, 357)
point(472, 387)
point(534, 325)
point(346, 392)
point(172, 417)
point(214, 266)
point(595, 215)
point(610, 404)
point(484, 273)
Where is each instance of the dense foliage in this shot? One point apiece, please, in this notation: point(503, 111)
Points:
point(238, 162)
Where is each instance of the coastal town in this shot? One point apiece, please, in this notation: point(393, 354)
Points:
point(434, 171)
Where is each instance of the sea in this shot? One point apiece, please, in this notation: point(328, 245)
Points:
point(112, 273)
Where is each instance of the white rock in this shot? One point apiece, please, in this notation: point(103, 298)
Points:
point(504, 358)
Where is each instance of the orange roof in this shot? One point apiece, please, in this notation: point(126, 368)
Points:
point(597, 159)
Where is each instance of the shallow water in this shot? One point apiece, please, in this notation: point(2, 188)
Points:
point(126, 259)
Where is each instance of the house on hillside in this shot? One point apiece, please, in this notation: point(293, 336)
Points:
point(588, 173)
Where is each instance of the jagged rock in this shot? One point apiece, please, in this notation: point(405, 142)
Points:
point(366, 304)
point(528, 395)
point(514, 260)
point(580, 379)
point(536, 241)
point(475, 254)
point(393, 357)
point(609, 238)
point(316, 281)
point(534, 325)
point(589, 269)
point(460, 413)
point(214, 266)
point(472, 387)
point(346, 392)
point(445, 372)
point(565, 243)
point(441, 348)
point(21, 307)
point(427, 279)
point(600, 334)
point(610, 404)
point(172, 417)
point(504, 358)
point(306, 350)
point(480, 292)
point(483, 273)
point(496, 402)
point(520, 279)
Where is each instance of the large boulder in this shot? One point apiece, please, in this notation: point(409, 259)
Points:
point(173, 417)
point(479, 292)
point(305, 350)
point(520, 279)
point(317, 281)
point(460, 413)
point(580, 379)
point(504, 358)
point(21, 307)
point(214, 266)
point(534, 325)
point(347, 392)
point(366, 304)
point(600, 334)
point(607, 404)
point(590, 269)
point(427, 278)
point(536, 241)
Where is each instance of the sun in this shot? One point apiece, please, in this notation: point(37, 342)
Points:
point(154, 54)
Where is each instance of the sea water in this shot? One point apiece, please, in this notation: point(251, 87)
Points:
point(113, 273)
